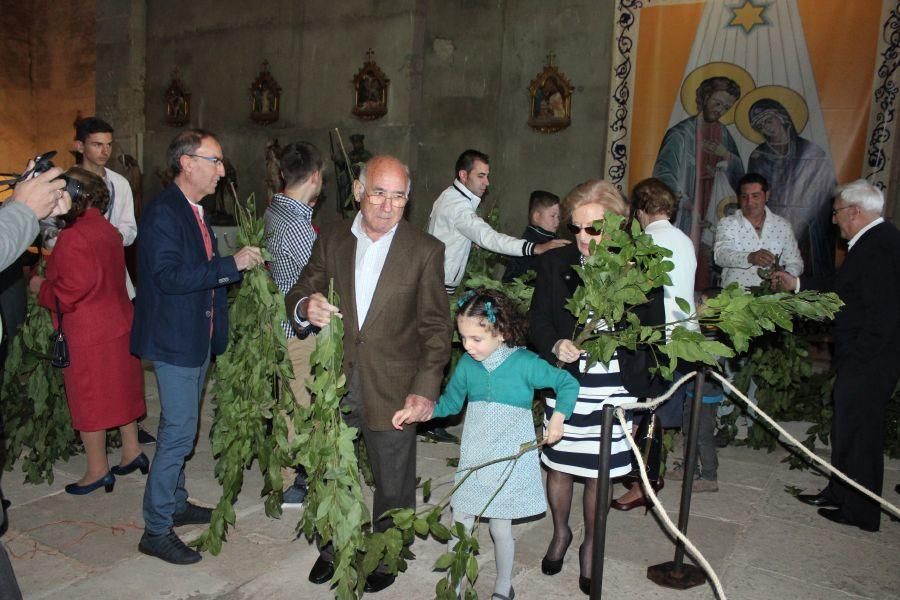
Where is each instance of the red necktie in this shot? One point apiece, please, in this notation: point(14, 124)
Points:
point(207, 243)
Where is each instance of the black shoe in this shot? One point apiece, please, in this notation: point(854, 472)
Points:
point(438, 434)
point(836, 516)
point(141, 462)
point(168, 547)
point(107, 482)
point(192, 515)
point(376, 582)
point(819, 499)
point(584, 584)
point(321, 571)
point(144, 437)
point(552, 567)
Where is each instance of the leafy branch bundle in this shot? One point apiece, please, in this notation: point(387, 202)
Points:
point(335, 512)
point(252, 394)
point(622, 269)
point(33, 399)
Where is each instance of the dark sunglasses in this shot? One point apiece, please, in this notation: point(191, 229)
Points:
point(590, 229)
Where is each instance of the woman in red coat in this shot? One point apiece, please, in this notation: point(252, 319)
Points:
point(104, 382)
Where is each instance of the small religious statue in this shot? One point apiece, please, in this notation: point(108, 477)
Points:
point(358, 153)
point(265, 97)
point(348, 170)
point(551, 99)
point(178, 102)
point(370, 90)
point(221, 203)
point(273, 170)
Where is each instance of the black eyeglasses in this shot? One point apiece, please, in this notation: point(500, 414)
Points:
point(214, 160)
point(835, 211)
point(588, 229)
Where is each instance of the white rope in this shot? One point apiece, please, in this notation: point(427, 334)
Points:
point(650, 404)
point(811, 455)
point(658, 507)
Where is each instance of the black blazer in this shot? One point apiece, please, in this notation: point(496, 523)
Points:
point(867, 328)
point(549, 321)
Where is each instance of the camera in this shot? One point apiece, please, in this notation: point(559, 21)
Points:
point(43, 163)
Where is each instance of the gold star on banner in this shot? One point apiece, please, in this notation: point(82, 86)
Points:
point(747, 16)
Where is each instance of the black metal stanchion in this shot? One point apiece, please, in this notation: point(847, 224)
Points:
point(602, 509)
point(676, 574)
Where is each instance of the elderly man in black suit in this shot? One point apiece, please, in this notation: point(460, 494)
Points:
point(866, 358)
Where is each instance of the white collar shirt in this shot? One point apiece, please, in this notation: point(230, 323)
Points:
point(370, 257)
point(736, 239)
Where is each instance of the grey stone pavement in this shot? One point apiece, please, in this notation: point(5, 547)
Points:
point(762, 543)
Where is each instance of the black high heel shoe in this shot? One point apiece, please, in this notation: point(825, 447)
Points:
point(140, 462)
point(552, 567)
point(584, 584)
point(107, 482)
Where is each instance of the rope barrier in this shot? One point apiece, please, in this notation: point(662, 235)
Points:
point(660, 509)
point(811, 455)
point(657, 506)
point(650, 404)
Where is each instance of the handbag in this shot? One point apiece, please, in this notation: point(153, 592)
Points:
point(649, 442)
point(60, 358)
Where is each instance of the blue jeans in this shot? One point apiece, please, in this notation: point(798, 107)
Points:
point(180, 391)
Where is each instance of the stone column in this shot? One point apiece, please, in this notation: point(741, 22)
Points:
point(121, 54)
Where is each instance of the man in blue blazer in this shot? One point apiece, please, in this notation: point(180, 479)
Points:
point(866, 357)
point(180, 320)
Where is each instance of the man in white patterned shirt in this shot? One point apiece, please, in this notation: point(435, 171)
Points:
point(754, 237)
point(289, 238)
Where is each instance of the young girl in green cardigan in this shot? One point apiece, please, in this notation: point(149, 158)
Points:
point(499, 378)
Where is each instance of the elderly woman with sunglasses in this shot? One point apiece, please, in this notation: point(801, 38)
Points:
point(552, 329)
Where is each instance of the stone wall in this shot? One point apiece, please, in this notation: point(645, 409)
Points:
point(16, 109)
point(48, 74)
point(459, 74)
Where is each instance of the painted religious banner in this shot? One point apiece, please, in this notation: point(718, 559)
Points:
point(801, 92)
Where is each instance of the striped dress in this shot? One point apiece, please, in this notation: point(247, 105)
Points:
point(578, 452)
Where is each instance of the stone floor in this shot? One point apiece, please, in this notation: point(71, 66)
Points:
point(761, 542)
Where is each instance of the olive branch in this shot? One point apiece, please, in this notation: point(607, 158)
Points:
point(622, 269)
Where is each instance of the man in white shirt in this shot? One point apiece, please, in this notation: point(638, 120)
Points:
point(93, 139)
point(454, 221)
point(754, 237)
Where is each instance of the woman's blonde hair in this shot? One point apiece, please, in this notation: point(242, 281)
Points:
point(594, 191)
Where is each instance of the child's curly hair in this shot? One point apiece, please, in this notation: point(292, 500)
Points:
point(498, 313)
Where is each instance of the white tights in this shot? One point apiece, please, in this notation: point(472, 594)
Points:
point(504, 548)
